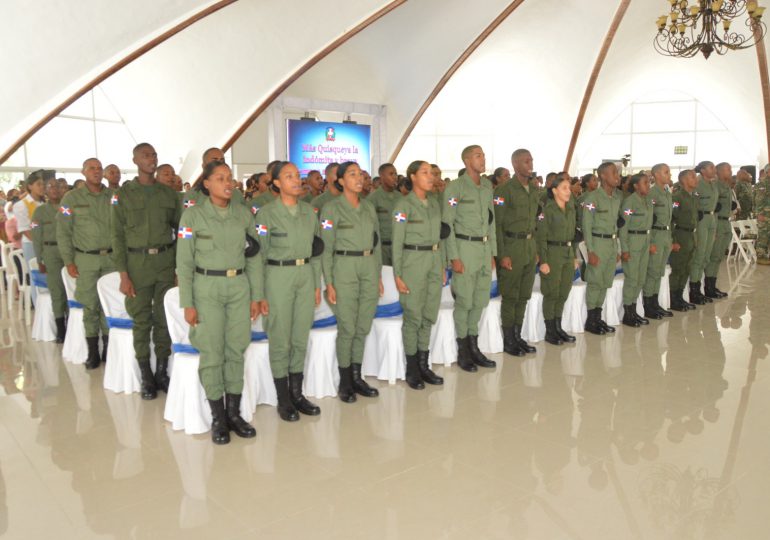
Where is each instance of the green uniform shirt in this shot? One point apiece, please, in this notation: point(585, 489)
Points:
point(143, 217)
point(661, 205)
point(214, 240)
point(83, 222)
point(745, 199)
point(600, 215)
point(684, 210)
point(344, 228)
point(468, 210)
point(44, 232)
point(384, 202)
point(762, 198)
point(194, 196)
point(416, 223)
point(637, 214)
point(555, 225)
point(516, 211)
point(265, 198)
point(707, 194)
point(319, 202)
point(725, 198)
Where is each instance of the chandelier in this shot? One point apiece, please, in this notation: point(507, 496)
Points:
point(705, 26)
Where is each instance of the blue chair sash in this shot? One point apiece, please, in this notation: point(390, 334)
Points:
point(115, 322)
point(388, 310)
point(184, 348)
point(325, 323)
point(39, 279)
point(74, 304)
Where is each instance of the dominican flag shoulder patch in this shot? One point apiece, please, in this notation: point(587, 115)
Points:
point(261, 230)
point(327, 224)
point(254, 210)
point(452, 201)
point(675, 205)
point(499, 201)
point(189, 203)
point(541, 216)
point(34, 225)
point(590, 206)
point(399, 217)
point(184, 232)
point(114, 200)
point(628, 211)
point(65, 210)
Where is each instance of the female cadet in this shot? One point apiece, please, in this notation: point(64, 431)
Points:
point(288, 231)
point(352, 266)
point(418, 269)
point(555, 233)
point(220, 285)
point(636, 217)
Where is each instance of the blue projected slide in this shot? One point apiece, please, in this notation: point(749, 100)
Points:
point(313, 145)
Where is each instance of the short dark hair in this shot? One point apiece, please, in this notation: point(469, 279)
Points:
point(684, 173)
point(603, 167)
point(467, 151)
point(330, 166)
point(383, 167)
point(140, 146)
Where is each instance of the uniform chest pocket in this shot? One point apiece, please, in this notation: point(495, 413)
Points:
point(204, 241)
point(135, 214)
point(83, 212)
point(279, 239)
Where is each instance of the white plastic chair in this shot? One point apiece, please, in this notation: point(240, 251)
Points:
point(75, 349)
point(4, 270)
point(20, 279)
point(384, 356)
point(44, 323)
point(744, 239)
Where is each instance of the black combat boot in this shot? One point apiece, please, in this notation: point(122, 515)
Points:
point(551, 335)
point(149, 390)
point(286, 408)
point(696, 297)
point(93, 352)
point(464, 359)
point(523, 345)
point(607, 328)
point(565, 337)
point(510, 346)
point(235, 421)
point(105, 344)
point(413, 377)
point(628, 317)
point(426, 373)
point(300, 402)
point(476, 355)
point(592, 323)
point(677, 302)
point(220, 434)
point(711, 288)
point(345, 390)
point(650, 309)
point(162, 379)
point(61, 330)
point(359, 384)
point(663, 312)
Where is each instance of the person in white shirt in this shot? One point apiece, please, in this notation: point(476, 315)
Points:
point(24, 209)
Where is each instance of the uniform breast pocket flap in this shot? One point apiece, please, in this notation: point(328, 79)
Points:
point(279, 239)
point(204, 242)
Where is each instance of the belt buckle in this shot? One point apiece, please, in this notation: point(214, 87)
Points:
point(569, 244)
point(367, 252)
point(434, 247)
point(484, 239)
point(153, 251)
point(614, 236)
point(299, 262)
point(529, 236)
point(231, 272)
point(104, 252)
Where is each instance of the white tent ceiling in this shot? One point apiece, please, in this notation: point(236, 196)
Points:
point(523, 86)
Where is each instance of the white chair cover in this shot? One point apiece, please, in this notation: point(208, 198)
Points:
point(258, 386)
point(443, 344)
point(43, 323)
point(75, 349)
point(575, 312)
point(384, 356)
point(321, 375)
point(490, 333)
point(613, 303)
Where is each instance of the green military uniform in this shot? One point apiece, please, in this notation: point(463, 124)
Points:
point(660, 237)
point(762, 210)
point(291, 277)
point(144, 220)
point(324, 198)
point(745, 199)
point(468, 211)
point(352, 263)
point(210, 243)
point(47, 252)
point(637, 212)
point(418, 262)
point(554, 236)
point(265, 198)
point(579, 203)
point(600, 232)
point(515, 216)
point(384, 202)
point(83, 234)
point(707, 194)
point(684, 220)
point(195, 196)
point(724, 232)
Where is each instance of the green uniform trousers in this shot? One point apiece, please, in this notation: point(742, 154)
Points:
point(681, 260)
point(223, 332)
point(763, 239)
point(599, 278)
point(387, 253)
point(356, 281)
point(515, 288)
point(152, 276)
point(635, 274)
point(90, 269)
point(721, 243)
point(656, 265)
point(706, 232)
point(557, 284)
point(290, 293)
point(53, 266)
point(471, 288)
point(422, 273)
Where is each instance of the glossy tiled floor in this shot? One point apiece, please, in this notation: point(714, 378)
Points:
point(659, 433)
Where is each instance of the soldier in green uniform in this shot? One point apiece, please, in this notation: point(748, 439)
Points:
point(383, 199)
point(220, 288)
point(660, 237)
point(471, 245)
point(49, 259)
point(145, 214)
point(555, 234)
point(265, 198)
point(684, 223)
point(743, 194)
point(635, 248)
point(83, 234)
point(724, 233)
point(762, 212)
point(352, 266)
point(600, 232)
point(418, 269)
point(589, 182)
point(331, 190)
point(708, 198)
point(516, 204)
point(288, 231)
point(314, 186)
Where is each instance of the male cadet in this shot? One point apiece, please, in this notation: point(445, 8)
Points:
point(762, 211)
point(166, 175)
point(331, 191)
point(600, 232)
point(314, 183)
point(743, 194)
point(724, 233)
point(707, 193)
point(47, 252)
point(660, 237)
point(83, 234)
point(145, 213)
point(516, 204)
point(112, 175)
point(471, 244)
point(384, 199)
point(191, 197)
point(684, 222)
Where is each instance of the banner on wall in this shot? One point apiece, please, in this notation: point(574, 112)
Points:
point(313, 145)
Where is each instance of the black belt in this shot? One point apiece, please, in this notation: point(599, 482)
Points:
point(105, 251)
point(607, 236)
point(562, 244)
point(685, 229)
point(472, 238)
point(387, 243)
point(708, 213)
point(348, 253)
point(519, 235)
point(290, 262)
point(412, 247)
point(232, 272)
point(50, 244)
point(723, 218)
point(660, 228)
point(150, 251)
point(638, 232)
